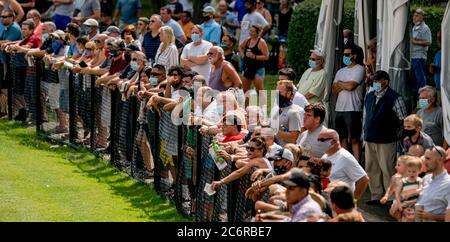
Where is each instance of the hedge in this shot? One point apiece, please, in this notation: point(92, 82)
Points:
point(302, 28)
point(302, 31)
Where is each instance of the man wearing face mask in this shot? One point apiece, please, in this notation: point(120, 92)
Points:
point(227, 44)
point(412, 131)
point(344, 165)
point(252, 18)
point(194, 55)
point(312, 83)
point(212, 30)
point(90, 26)
point(347, 86)
point(431, 115)
point(384, 111)
point(421, 40)
point(223, 75)
point(349, 39)
point(286, 117)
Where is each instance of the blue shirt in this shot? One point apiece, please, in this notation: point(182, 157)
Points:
point(151, 45)
point(231, 19)
point(128, 10)
point(435, 196)
point(177, 30)
point(420, 32)
point(11, 33)
point(212, 32)
point(72, 50)
point(437, 75)
point(304, 208)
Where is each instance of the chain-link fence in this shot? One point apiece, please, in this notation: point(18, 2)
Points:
point(70, 107)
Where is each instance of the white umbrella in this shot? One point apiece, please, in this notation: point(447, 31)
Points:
point(330, 17)
point(445, 72)
point(393, 41)
point(363, 23)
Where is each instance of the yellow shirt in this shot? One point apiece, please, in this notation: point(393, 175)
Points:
point(186, 28)
point(314, 83)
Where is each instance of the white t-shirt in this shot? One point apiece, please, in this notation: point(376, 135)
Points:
point(201, 49)
point(300, 100)
point(345, 168)
point(248, 20)
point(350, 100)
point(290, 119)
point(308, 141)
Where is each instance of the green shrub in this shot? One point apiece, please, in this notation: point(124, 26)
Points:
point(302, 28)
point(302, 31)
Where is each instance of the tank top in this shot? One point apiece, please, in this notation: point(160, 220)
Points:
point(215, 78)
point(255, 50)
point(409, 195)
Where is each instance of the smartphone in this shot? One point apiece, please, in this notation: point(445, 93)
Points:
point(83, 64)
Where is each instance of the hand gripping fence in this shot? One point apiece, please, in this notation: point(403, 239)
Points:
point(69, 107)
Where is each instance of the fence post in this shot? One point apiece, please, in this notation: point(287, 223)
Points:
point(112, 129)
point(92, 124)
point(10, 82)
point(72, 109)
point(39, 104)
point(133, 132)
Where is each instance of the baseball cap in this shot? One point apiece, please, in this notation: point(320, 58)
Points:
point(209, 9)
point(381, 75)
point(59, 34)
point(318, 51)
point(420, 11)
point(91, 22)
point(112, 29)
point(132, 47)
point(283, 154)
point(144, 19)
point(297, 178)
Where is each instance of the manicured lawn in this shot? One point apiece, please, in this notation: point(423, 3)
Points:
point(40, 183)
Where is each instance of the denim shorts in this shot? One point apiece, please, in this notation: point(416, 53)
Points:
point(261, 73)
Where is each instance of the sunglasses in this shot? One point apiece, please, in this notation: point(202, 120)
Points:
point(210, 54)
point(134, 59)
point(98, 41)
point(251, 149)
point(152, 21)
point(6, 16)
point(347, 54)
point(435, 148)
point(313, 59)
point(323, 139)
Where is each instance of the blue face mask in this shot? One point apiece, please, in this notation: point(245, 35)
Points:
point(220, 109)
point(423, 103)
point(44, 37)
point(347, 60)
point(134, 65)
point(376, 86)
point(56, 46)
point(224, 46)
point(195, 37)
point(279, 169)
point(312, 64)
point(154, 81)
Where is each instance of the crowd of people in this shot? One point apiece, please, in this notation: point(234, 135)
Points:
point(301, 169)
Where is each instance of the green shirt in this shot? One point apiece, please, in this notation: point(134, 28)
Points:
point(314, 83)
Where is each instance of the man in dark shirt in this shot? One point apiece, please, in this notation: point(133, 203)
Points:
point(151, 38)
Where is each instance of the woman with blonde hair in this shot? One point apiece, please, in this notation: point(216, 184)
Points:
point(167, 54)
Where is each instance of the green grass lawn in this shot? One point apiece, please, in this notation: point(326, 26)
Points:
point(41, 183)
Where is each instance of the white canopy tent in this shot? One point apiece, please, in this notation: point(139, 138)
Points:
point(363, 23)
point(330, 17)
point(393, 41)
point(445, 72)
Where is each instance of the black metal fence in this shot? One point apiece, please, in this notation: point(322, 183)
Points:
point(70, 108)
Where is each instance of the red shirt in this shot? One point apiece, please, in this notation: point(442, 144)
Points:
point(117, 65)
point(325, 182)
point(233, 138)
point(33, 42)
